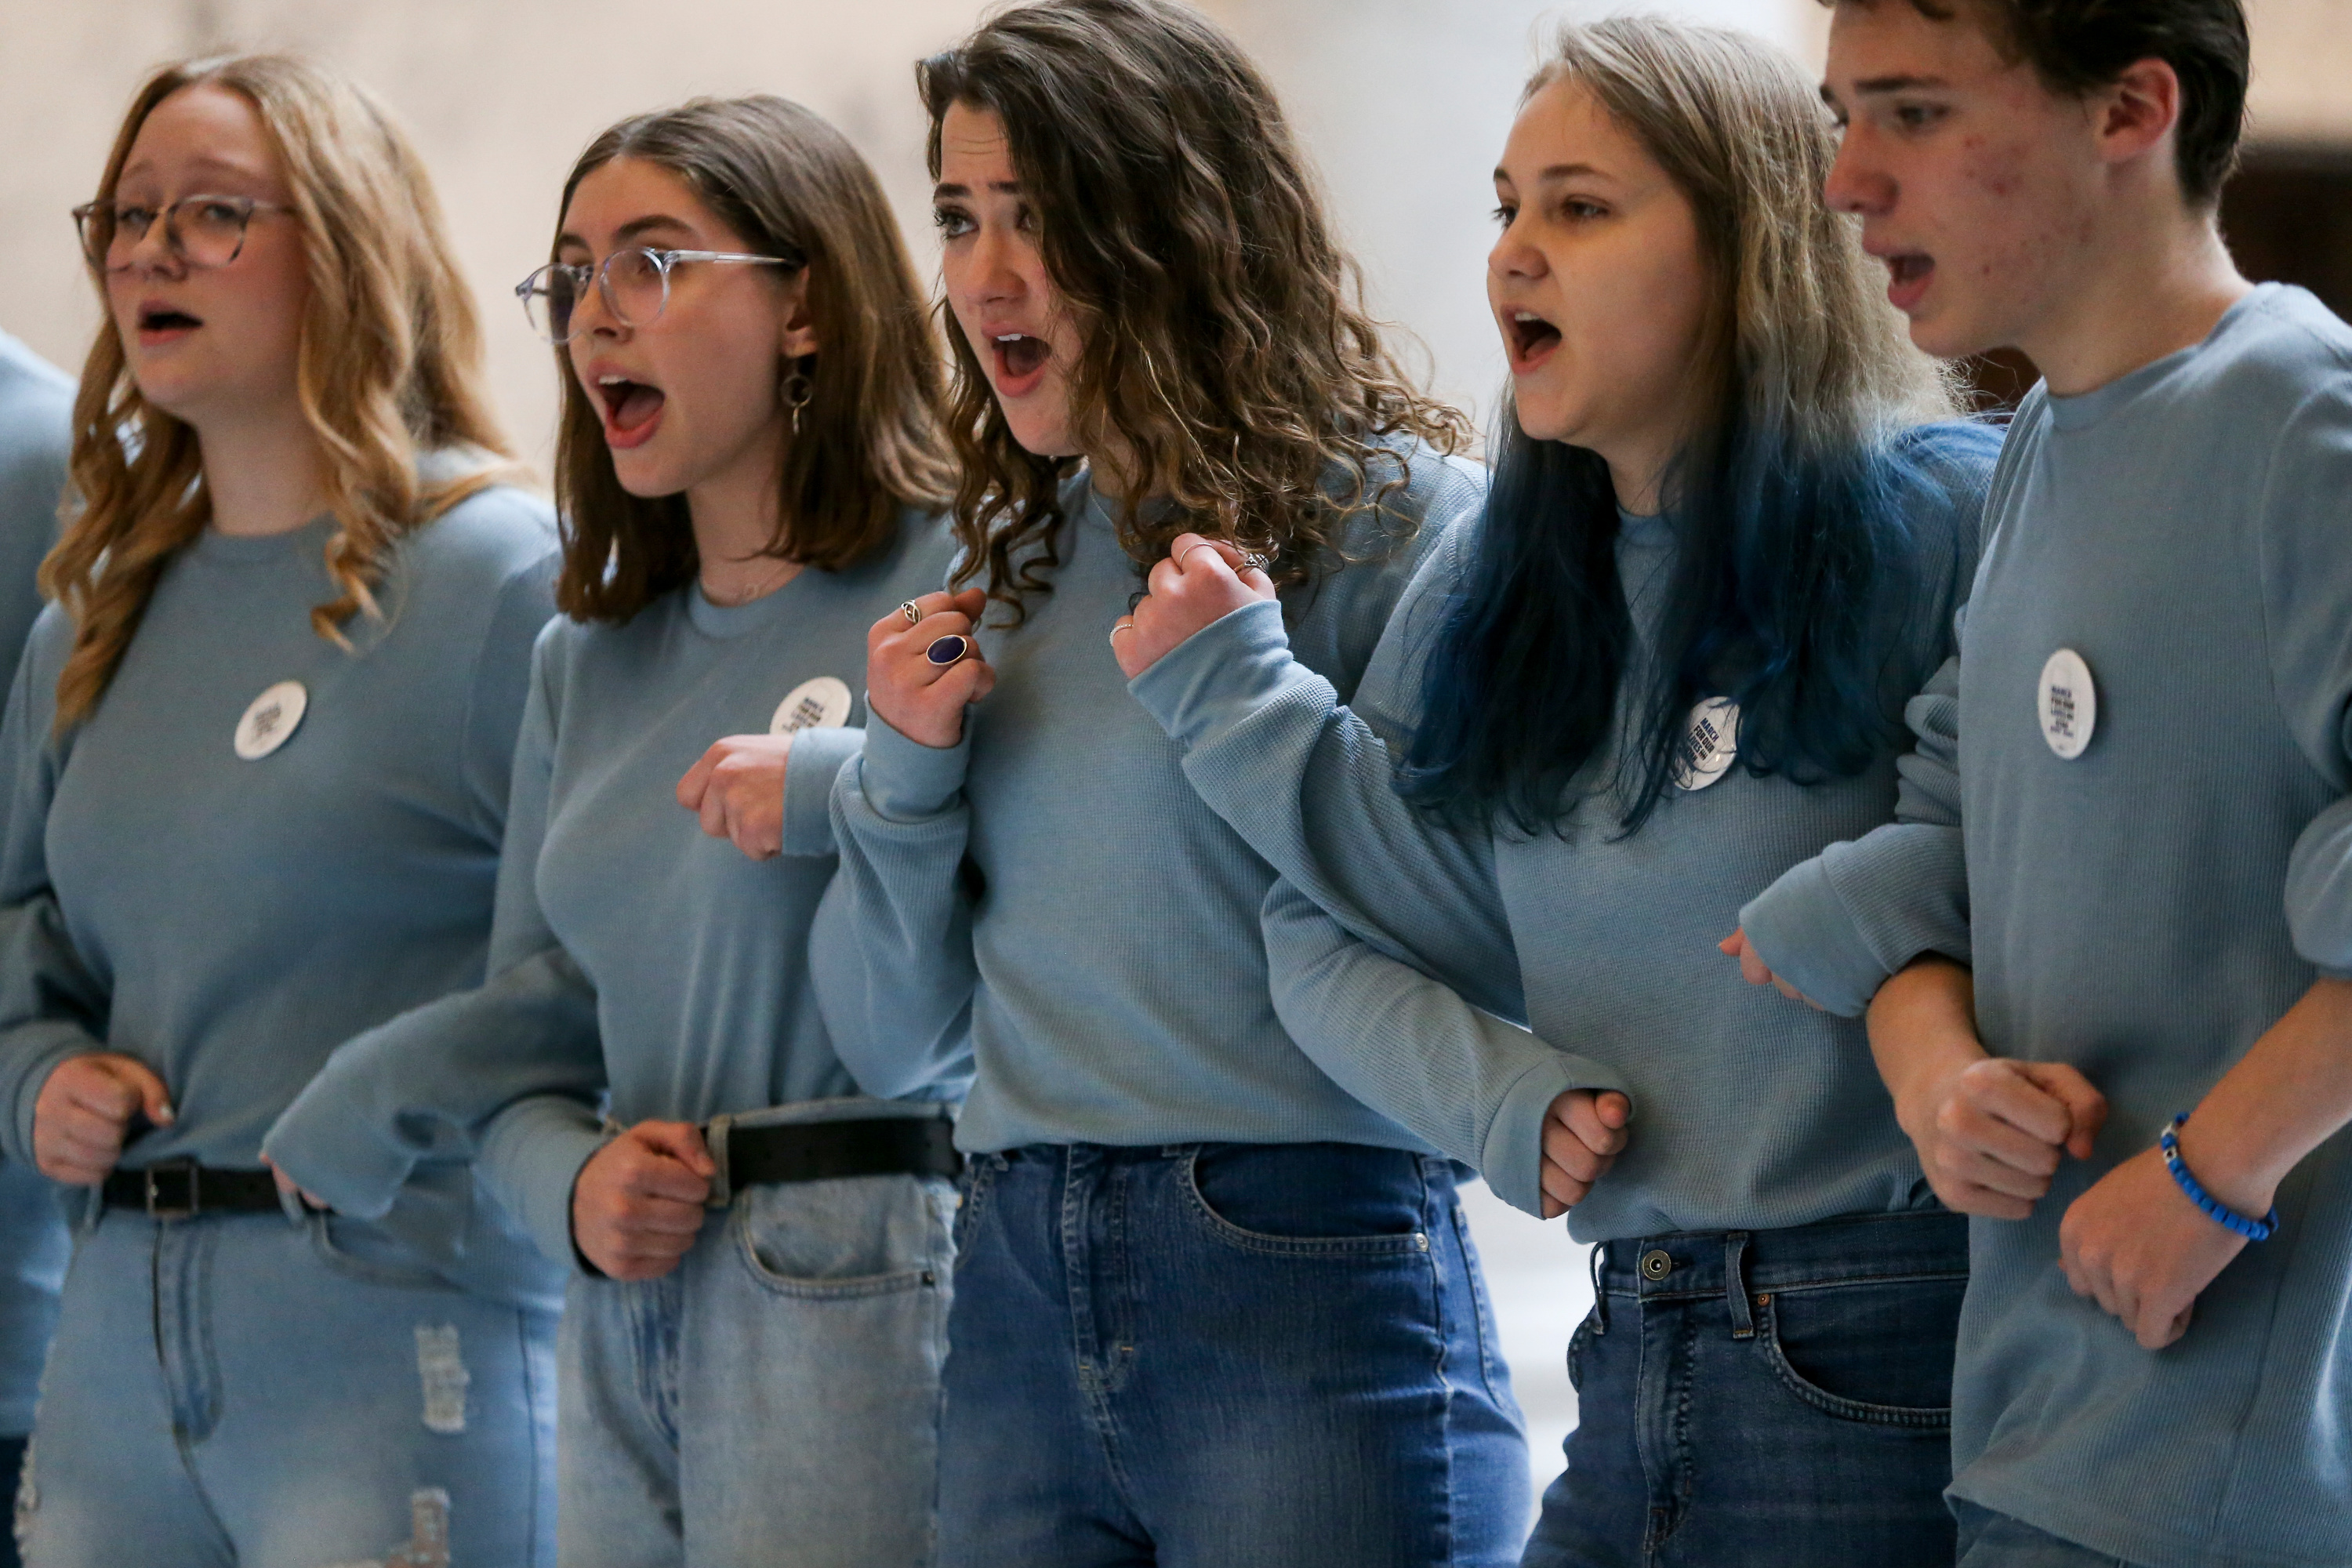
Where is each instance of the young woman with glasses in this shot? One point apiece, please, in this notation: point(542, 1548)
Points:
point(1209, 1309)
point(750, 465)
point(258, 756)
point(1732, 513)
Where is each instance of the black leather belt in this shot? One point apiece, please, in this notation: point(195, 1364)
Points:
point(819, 1151)
point(181, 1189)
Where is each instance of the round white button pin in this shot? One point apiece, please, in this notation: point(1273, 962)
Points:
point(1710, 744)
point(819, 704)
point(270, 720)
point(2069, 703)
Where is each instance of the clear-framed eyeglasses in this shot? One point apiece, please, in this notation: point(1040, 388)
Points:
point(202, 231)
point(634, 284)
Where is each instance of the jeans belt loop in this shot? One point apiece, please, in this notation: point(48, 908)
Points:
point(1735, 1284)
point(1599, 1261)
point(714, 1138)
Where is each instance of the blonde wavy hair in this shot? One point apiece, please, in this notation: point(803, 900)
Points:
point(390, 369)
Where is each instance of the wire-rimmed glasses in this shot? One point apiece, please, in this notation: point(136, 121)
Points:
point(202, 231)
point(634, 284)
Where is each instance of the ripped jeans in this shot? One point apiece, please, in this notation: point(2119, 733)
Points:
point(238, 1389)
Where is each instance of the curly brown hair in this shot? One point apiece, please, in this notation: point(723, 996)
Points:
point(391, 371)
point(1227, 356)
point(870, 440)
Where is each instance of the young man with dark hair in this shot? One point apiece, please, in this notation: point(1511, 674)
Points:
point(2128, 814)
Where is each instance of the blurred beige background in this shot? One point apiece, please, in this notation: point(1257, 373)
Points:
point(1403, 104)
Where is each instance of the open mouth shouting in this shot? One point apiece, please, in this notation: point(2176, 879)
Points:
point(159, 323)
point(1531, 339)
point(1021, 362)
point(632, 409)
point(1909, 274)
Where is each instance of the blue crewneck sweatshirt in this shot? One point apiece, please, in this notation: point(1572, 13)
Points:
point(36, 436)
point(635, 960)
point(1054, 882)
point(1409, 951)
point(307, 893)
point(2142, 910)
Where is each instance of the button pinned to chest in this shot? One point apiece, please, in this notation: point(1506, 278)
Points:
point(820, 704)
point(270, 720)
point(2068, 703)
point(1710, 744)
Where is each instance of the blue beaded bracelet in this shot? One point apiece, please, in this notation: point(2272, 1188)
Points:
point(2251, 1229)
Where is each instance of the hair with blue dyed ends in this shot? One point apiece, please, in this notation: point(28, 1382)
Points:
point(1796, 565)
point(1796, 582)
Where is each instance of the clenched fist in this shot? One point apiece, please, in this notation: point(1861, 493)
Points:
point(636, 1205)
point(921, 676)
point(85, 1110)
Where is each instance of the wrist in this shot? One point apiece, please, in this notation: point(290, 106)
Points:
point(2226, 1164)
point(1923, 1077)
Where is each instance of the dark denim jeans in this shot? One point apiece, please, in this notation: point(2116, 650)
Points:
point(1780, 1398)
point(1208, 1355)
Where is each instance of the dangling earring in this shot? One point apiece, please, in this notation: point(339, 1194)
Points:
point(798, 390)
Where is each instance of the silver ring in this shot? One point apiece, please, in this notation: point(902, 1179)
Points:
point(1122, 626)
point(1253, 561)
point(1204, 544)
point(912, 611)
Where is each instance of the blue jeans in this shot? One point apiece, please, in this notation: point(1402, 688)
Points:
point(12, 1474)
point(774, 1399)
point(1204, 1356)
point(242, 1390)
point(1775, 1398)
point(1991, 1539)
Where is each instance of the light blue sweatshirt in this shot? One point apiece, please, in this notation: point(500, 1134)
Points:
point(229, 921)
point(633, 957)
point(35, 435)
point(2144, 911)
point(1748, 1114)
point(1056, 880)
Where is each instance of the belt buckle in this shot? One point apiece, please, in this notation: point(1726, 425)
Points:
point(159, 1209)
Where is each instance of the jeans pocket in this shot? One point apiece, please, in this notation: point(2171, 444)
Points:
point(844, 1238)
point(1333, 1201)
point(980, 1172)
point(1577, 1343)
point(358, 1250)
point(1876, 1351)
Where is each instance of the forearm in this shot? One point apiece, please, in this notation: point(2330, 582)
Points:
point(2288, 1094)
point(1923, 1032)
point(422, 1086)
point(1310, 784)
point(890, 950)
point(1470, 1084)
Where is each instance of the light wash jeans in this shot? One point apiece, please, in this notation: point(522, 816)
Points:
point(245, 1389)
point(774, 1400)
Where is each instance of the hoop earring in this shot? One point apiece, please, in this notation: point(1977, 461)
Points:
point(798, 390)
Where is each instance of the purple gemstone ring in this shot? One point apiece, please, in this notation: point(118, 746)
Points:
point(948, 649)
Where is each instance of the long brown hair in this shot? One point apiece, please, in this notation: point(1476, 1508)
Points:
point(1227, 355)
point(870, 438)
point(390, 368)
